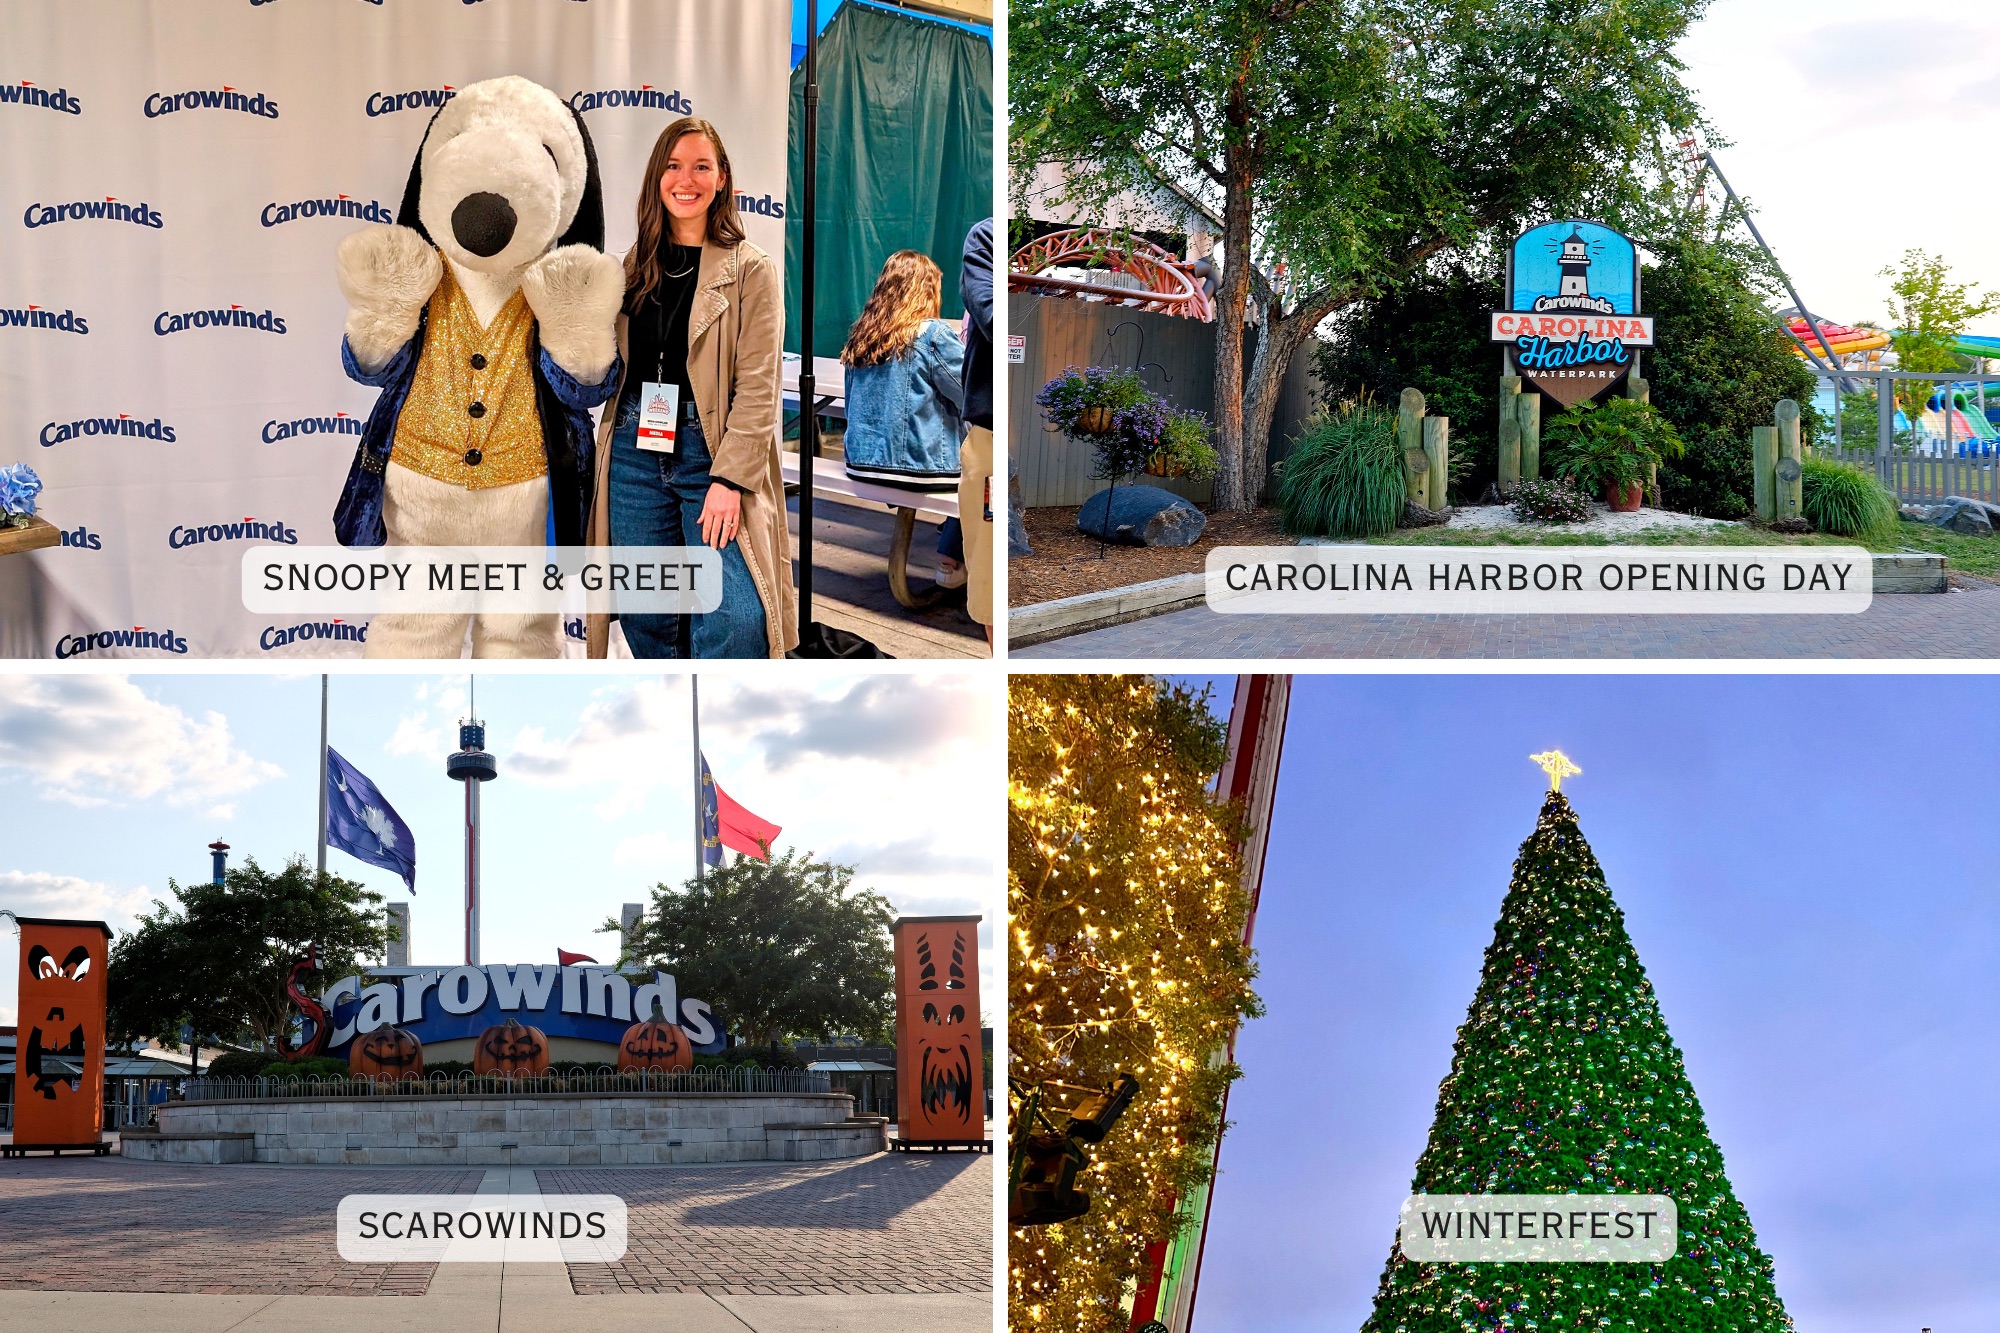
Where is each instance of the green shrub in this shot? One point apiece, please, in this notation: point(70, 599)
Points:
point(1344, 477)
point(1555, 501)
point(1845, 500)
point(323, 1066)
point(1615, 442)
point(238, 1064)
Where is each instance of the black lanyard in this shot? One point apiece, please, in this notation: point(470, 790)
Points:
point(687, 297)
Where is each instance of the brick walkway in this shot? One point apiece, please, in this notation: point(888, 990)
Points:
point(106, 1224)
point(889, 1224)
point(1963, 623)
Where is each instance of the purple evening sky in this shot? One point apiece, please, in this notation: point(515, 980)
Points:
point(1810, 870)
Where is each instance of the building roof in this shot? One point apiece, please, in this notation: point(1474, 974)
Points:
point(851, 1067)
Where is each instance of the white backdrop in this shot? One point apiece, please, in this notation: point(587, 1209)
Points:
point(294, 102)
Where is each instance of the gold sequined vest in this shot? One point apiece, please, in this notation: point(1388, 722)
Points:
point(471, 418)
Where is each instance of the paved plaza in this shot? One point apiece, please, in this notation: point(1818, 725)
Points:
point(870, 1245)
point(1961, 623)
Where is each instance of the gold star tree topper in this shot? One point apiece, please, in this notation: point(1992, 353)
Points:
point(1557, 765)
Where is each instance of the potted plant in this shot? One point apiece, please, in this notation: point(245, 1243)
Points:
point(1612, 448)
point(1184, 450)
point(1087, 402)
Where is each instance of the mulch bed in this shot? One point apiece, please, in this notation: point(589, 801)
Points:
point(1065, 562)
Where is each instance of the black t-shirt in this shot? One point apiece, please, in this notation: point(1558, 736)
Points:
point(658, 329)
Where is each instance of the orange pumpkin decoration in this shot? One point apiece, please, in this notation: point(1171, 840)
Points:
point(511, 1048)
point(387, 1052)
point(655, 1043)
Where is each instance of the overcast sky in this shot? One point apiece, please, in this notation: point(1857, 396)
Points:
point(1809, 872)
point(1859, 130)
point(110, 785)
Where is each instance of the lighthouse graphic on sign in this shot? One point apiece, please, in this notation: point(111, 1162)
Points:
point(1575, 265)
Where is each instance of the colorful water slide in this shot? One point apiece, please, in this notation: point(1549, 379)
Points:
point(1843, 339)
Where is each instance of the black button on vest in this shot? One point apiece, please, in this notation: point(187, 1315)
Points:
point(473, 458)
point(478, 361)
point(476, 410)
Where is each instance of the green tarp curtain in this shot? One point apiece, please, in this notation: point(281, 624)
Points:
point(905, 159)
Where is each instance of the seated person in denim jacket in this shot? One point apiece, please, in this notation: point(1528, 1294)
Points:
point(904, 397)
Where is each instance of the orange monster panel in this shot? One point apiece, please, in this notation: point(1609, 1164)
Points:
point(64, 965)
point(940, 1084)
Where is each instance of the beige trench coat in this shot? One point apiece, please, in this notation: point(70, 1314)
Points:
point(736, 333)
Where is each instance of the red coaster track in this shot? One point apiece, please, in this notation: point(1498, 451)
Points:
point(1170, 287)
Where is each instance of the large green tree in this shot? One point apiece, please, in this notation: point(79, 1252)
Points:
point(219, 955)
point(1564, 1080)
point(781, 948)
point(1336, 145)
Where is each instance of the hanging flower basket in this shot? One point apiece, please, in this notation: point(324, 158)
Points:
point(1163, 464)
point(1095, 421)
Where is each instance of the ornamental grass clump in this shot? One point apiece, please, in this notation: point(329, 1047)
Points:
point(1845, 501)
point(1554, 501)
point(1345, 475)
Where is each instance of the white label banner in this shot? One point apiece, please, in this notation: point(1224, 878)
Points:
point(1632, 330)
point(481, 580)
point(1539, 580)
point(1539, 1228)
point(481, 1228)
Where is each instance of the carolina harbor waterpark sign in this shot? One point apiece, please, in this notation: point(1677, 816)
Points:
point(1572, 315)
point(442, 1003)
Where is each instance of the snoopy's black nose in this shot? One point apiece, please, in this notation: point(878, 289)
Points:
point(483, 223)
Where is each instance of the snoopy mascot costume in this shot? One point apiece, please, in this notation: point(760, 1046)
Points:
point(487, 316)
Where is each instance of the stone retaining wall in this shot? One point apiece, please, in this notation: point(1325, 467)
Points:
point(550, 1129)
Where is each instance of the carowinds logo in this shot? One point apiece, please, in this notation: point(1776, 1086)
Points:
point(423, 99)
point(326, 631)
point(645, 95)
point(224, 98)
point(249, 529)
point(27, 94)
point(83, 539)
point(165, 640)
point(43, 215)
point(340, 206)
point(235, 317)
point(764, 206)
point(40, 317)
point(55, 432)
point(338, 424)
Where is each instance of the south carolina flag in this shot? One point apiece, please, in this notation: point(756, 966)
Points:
point(727, 824)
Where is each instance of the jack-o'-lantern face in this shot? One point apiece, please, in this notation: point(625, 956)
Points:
point(511, 1048)
point(945, 1062)
point(387, 1052)
point(655, 1044)
point(55, 1026)
point(954, 977)
point(940, 1091)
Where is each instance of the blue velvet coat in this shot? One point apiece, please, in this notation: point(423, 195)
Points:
point(568, 440)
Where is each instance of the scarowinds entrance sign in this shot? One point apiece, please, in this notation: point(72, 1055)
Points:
point(1572, 320)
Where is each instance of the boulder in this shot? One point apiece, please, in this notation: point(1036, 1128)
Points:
point(1416, 516)
point(1141, 516)
point(1974, 518)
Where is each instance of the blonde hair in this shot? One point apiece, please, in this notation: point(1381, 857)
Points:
point(908, 293)
point(725, 225)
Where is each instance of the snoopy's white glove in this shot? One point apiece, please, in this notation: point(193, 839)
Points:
point(575, 293)
point(386, 273)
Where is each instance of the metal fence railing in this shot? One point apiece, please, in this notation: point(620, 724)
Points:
point(1947, 449)
point(605, 1080)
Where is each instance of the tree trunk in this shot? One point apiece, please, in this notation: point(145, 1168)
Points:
point(1232, 490)
point(1276, 345)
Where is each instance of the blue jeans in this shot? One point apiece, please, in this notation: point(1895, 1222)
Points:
point(656, 500)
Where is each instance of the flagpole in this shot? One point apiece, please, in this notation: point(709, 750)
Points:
point(700, 796)
point(322, 773)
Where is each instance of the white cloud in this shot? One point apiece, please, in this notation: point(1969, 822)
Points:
point(908, 856)
point(38, 893)
point(97, 740)
point(430, 726)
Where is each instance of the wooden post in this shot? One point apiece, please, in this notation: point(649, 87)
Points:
point(1788, 467)
point(1511, 399)
point(1763, 463)
point(1529, 411)
point(1437, 446)
point(1641, 391)
point(1410, 435)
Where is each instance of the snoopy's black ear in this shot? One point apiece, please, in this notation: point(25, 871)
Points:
point(588, 227)
point(410, 214)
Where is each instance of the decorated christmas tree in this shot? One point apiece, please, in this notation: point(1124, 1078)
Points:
point(1564, 1080)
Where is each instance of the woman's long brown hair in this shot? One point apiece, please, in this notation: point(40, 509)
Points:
point(908, 293)
point(725, 227)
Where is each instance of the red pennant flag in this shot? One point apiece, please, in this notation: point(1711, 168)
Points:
point(567, 959)
point(742, 831)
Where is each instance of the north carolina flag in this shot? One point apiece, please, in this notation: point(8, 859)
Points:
point(724, 823)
